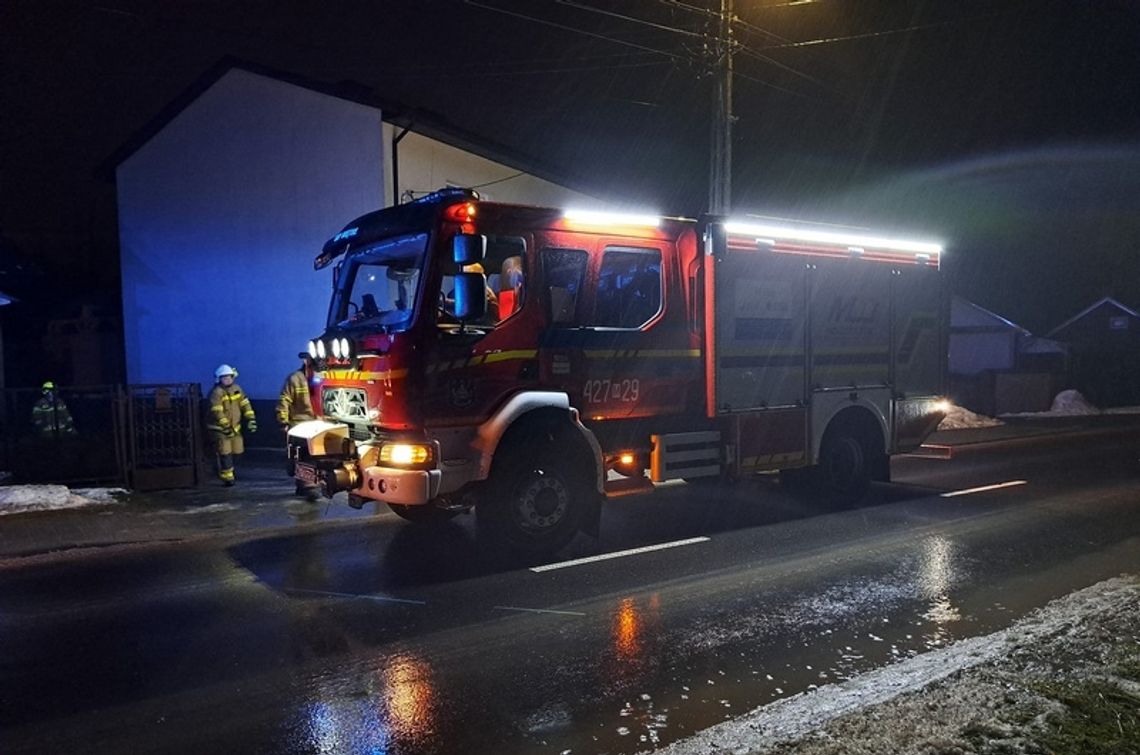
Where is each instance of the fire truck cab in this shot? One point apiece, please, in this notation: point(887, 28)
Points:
point(530, 362)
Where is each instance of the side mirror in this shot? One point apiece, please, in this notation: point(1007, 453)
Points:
point(468, 248)
point(470, 296)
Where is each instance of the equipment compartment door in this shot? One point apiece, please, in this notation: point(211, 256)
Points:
point(755, 331)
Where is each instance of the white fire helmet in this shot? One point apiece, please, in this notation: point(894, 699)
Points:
point(224, 370)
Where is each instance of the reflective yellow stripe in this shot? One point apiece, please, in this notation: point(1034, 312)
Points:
point(642, 353)
point(760, 352)
point(503, 356)
point(357, 375)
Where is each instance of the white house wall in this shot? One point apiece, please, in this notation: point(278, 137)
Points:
point(427, 164)
point(220, 216)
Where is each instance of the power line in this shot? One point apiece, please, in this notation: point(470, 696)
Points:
point(868, 35)
point(631, 19)
point(457, 73)
point(782, 66)
point(564, 27)
point(691, 8)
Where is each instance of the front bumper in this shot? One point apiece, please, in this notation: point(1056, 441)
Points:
point(321, 453)
point(407, 487)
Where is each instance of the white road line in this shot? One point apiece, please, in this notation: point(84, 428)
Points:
point(984, 488)
point(539, 610)
point(380, 598)
point(618, 554)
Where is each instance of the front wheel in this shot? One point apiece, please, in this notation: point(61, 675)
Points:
point(535, 502)
point(424, 514)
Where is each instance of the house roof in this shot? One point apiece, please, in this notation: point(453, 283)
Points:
point(1108, 300)
point(982, 314)
point(423, 122)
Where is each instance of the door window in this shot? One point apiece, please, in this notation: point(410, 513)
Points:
point(565, 272)
point(629, 288)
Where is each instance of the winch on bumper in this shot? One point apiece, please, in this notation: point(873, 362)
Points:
point(322, 453)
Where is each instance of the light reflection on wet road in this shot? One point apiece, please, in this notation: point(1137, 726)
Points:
point(369, 641)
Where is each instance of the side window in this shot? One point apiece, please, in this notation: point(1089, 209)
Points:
point(629, 288)
point(564, 271)
point(504, 268)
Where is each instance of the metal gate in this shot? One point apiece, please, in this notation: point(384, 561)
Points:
point(84, 449)
point(146, 437)
point(163, 435)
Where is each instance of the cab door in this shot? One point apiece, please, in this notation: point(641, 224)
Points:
point(619, 351)
point(470, 369)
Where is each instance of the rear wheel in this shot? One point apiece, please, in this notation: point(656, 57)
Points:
point(423, 514)
point(844, 466)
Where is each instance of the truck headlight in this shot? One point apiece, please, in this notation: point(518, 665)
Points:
point(336, 348)
point(405, 454)
point(321, 350)
point(344, 350)
point(313, 349)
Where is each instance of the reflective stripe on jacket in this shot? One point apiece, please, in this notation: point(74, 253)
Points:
point(227, 408)
point(294, 404)
point(50, 415)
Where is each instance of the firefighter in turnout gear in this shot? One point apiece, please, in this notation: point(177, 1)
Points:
point(50, 415)
point(229, 407)
point(294, 406)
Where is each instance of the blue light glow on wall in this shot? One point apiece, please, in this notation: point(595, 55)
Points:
point(220, 217)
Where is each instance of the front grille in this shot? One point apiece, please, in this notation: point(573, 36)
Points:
point(359, 432)
point(346, 404)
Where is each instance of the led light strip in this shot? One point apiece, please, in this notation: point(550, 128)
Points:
point(774, 232)
point(591, 217)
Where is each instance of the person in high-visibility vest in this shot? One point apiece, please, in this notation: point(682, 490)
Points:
point(229, 407)
point(295, 405)
point(50, 415)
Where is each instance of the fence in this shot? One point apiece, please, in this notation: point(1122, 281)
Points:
point(141, 436)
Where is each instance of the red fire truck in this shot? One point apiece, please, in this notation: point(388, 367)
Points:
point(531, 362)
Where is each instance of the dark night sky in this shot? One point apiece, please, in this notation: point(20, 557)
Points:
point(1008, 128)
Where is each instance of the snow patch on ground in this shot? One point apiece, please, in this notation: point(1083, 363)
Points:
point(961, 418)
point(20, 499)
point(795, 717)
point(1072, 403)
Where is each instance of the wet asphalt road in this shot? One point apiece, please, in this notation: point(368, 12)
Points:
point(386, 638)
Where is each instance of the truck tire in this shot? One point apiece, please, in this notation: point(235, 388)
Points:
point(535, 501)
point(844, 467)
point(424, 514)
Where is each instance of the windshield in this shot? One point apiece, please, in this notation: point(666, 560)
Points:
point(378, 285)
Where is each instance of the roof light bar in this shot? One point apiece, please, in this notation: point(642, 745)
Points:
point(769, 232)
point(592, 217)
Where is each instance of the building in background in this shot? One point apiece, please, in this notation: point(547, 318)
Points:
point(1104, 340)
point(226, 198)
point(999, 367)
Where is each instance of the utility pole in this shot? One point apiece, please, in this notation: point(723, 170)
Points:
point(720, 163)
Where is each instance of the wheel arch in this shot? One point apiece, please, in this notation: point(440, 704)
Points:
point(534, 410)
point(865, 420)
